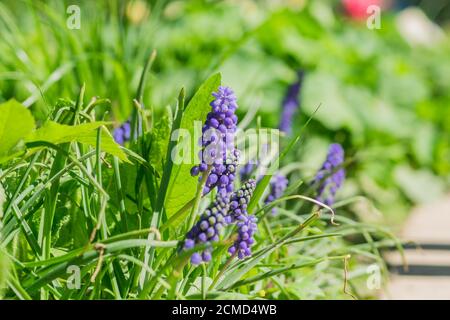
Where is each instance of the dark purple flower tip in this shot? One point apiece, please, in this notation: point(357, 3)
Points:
point(291, 104)
point(195, 171)
point(277, 186)
point(331, 176)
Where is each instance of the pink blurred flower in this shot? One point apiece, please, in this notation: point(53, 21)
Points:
point(357, 9)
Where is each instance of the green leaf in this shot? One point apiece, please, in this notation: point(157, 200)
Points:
point(322, 88)
point(85, 133)
point(2, 200)
point(160, 138)
point(4, 270)
point(182, 185)
point(16, 122)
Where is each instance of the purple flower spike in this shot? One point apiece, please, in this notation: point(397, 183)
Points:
point(290, 104)
point(246, 229)
point(331, 176)
point(277, 186)
point(240, 199)
point(246, 223)
point(217, 142)
point(222, 212)
point(122, 134)
point(207, 229)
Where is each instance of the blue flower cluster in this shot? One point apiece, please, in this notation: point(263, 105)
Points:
point(240, 199)
point(207, 229)
point(218, 149)
point(290, 104)
point(246, 224)
point(331, 175)
point(246, 228)
point(224, 211)
point(278, 184)
point(122, 134)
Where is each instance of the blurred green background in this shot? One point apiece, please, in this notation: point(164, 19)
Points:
point(383, 93)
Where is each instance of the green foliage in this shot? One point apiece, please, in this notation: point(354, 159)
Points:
point(4, 270)
point(160, 140)
point(182, 185)
point(86, 133)
point(12, 134)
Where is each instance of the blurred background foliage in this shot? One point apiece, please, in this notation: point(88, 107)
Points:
point(382, 93)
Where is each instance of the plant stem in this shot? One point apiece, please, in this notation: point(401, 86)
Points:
point(172, 278)
point(204, 290)
point(198, 197)
point(225, 267)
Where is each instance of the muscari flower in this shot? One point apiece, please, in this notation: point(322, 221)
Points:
point(277, 186)
point(225, 210)
point(331, 175)
point(246, 224)
point(290, 104)
point(207, 229)
point(218, 149)
point(240, 199)
point(122, 134)
point(246, 229)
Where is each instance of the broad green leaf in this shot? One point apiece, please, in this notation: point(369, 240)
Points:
point(182, 185)
point(16, 122)
point(335, 113)
point(85, 133)
point(160, 140)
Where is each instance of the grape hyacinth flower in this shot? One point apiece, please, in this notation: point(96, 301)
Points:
point(246, 223)
point(218, 149)
point(246, 229)
point(331, 176)
point(207, 229)
point(239, 201)
point(122, 134)
point(291, 104)
point(277, 186)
